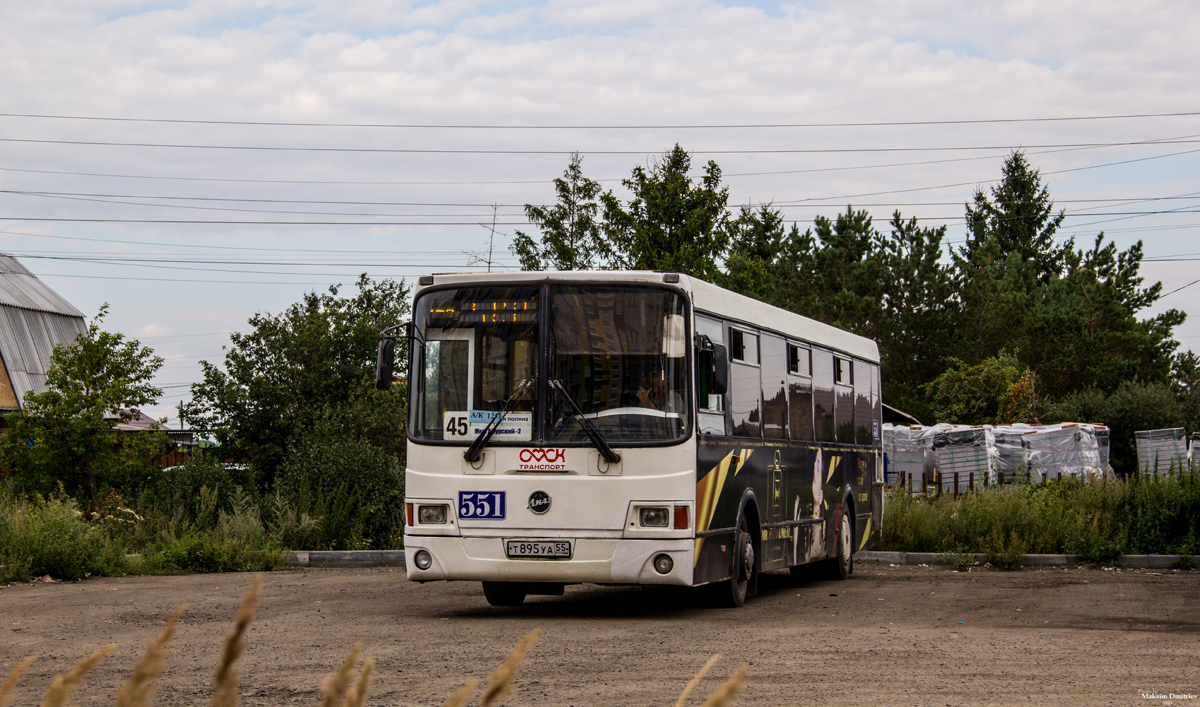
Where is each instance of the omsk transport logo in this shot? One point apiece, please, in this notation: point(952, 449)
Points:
point(539, 459)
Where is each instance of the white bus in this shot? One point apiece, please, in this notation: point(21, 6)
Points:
point(631, 428)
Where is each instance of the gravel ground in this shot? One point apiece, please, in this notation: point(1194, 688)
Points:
point(888, 636)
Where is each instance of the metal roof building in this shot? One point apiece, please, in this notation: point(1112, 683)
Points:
point(33, 319)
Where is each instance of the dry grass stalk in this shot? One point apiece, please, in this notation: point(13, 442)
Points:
point(334, 687)
point(61, 685)
point(500, 681)
point(687, 689)
point(459, 698)
point(137, 690)
point(225, 681)
point(724, 694)
point(357, 697)
point(11, 681)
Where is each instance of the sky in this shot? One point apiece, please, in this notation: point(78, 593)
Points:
point(194, 163)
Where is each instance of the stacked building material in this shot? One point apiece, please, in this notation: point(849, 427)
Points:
point(1161, 451)
point(905, 448)
point(965, 458)
point(1012, 453)
point(1104, 443)
point(1066, 450)
point(1194, 449)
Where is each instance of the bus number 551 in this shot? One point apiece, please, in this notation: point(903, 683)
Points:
point(481, 505)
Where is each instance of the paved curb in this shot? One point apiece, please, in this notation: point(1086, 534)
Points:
point(346, 558)
point(933, 558)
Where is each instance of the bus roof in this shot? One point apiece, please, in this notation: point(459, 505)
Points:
point(706, 297)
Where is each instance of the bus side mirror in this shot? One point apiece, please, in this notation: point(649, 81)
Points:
point(720, 370)
point(385, 363)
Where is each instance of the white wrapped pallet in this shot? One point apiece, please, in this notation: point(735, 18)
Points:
point(1161, 451)
point(1104, 442)
point(1012, 453)
point(1069, 449)
point(905, 447)
point(965, 457)
point(1194, 449)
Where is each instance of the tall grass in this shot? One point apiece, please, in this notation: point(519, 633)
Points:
point(48, 536)
point(346, 687)
point(1099, 521)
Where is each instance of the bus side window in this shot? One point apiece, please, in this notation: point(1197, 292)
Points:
point(823, 395)
point(800, 392)
point(844, 408)
point(863, 432)
point(774, 391)
point(745, 403)
point(712, 409)
point(876, 404)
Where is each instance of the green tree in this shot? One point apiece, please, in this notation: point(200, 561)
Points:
point(291, 368)
point(992, 392)
point(571, 238)
point(917, 311)
point(66, 434)
point(671, 223)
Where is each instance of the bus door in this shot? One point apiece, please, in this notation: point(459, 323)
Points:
point(776, 545)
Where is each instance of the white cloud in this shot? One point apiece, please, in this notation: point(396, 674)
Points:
point(564, 62)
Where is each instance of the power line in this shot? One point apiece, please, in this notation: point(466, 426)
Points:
point(713, 126)
point(39, 192)
point(464, 151)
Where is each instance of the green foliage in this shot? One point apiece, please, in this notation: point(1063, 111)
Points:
point(65, 435)
point(345, 470)
point(993, 392)
point(218, 537)
point(292, 368)
point(671, 223)
point(48, 536)
point(572, 238)
point(1099, 521)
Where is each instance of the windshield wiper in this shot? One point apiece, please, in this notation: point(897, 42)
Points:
point(589, 429)
point(473, 452)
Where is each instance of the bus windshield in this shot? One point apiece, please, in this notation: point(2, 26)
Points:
point(619, 352)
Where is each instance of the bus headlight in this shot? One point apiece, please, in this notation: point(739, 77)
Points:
point(654, 517)
point(663, 564)
point(423, 560)
point(432, 515)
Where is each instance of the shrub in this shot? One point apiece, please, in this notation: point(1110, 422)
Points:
point(49, 537)
point(1099, 521)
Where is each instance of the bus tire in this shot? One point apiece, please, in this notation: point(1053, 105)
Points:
point(840, 567)
point(732, 592)
point(505, 593)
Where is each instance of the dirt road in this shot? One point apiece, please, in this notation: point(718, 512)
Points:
point(890, 636)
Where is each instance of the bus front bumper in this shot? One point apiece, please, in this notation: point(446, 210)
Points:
point(593, 560)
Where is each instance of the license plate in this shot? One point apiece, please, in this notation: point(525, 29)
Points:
point(537, 548)
point(481, 505)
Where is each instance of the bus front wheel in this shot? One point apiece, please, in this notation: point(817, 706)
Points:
point(505, 593)
point(732, 592)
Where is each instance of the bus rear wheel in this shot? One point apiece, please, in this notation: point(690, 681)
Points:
point(840, 567)
point(505, 593)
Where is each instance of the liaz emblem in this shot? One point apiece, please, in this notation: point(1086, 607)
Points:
point(539, 502)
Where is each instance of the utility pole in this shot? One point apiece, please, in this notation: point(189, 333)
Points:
point(478, 259)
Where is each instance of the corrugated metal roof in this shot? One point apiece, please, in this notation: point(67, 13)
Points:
point(33, 319)
point(27, 339)
point(21, 288)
